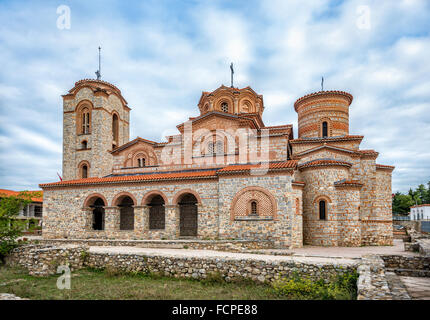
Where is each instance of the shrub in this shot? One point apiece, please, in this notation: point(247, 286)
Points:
point(213, 278)
point(10, 227)
point(342, 287)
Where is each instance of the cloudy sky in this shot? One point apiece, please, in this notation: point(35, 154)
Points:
point(162, 54)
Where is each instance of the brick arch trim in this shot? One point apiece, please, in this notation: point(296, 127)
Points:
point(184, 191)
point(254, 188)
point(322, 197)
point(80, 165)
point(82, 103)
point(227, 99)
point(88, 200)
point(122, 194)
point(148, 196)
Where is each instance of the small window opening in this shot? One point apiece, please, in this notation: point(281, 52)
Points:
point(324, 129)
point(254, 208)
point(141, 162)
point(84, 171)
point(322, 209)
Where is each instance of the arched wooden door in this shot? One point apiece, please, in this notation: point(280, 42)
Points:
point(188, 216)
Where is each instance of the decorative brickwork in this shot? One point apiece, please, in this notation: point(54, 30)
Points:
point(248, 181)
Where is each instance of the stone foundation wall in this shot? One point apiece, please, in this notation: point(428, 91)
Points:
point(219, 245)
point(374, 283)
point(40, 260)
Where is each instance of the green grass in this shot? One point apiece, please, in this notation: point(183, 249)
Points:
point(96, 284)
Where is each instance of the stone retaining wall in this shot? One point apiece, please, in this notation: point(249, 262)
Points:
point(374, 284)
point(219, 245)
point(43, 260)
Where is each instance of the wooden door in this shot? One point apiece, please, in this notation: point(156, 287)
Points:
point(188, 220)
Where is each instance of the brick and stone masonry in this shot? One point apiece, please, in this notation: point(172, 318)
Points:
point(225, 175)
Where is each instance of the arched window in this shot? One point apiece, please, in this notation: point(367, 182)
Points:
point(219, 147)
point(85, 121)
point(115, 128)
point(325, 129)
point(141, 162)
point(84, 144)
point(210, 148)
point(84, 171)
point(322, 209)
point(224, 107)
point(254, 211)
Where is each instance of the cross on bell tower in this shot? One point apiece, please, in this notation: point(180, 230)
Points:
point(99, 71)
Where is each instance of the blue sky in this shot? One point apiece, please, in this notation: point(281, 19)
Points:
point(162, 54)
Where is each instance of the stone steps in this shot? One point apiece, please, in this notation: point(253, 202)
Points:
point(410, 272)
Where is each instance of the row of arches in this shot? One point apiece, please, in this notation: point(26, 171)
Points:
point(146, 199)
point(156, 201)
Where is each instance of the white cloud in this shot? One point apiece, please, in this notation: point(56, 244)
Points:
point(162, 57)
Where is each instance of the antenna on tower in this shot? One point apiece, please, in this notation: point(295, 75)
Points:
point(99, 71)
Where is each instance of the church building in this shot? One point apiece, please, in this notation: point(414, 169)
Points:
point(224, 175)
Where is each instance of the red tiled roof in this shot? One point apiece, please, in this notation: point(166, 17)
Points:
point(284, 126)
point(371, 151)
point(383, 166)
point(421, 205)
point(77, 83)
point(9, 193)
point(290, 164)
point(328, 139)
point(324, 162)
point(348, 183)
point(132, 142)
point(181, 175)
point(136, 178)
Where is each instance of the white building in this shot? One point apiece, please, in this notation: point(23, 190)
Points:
point(420, 212)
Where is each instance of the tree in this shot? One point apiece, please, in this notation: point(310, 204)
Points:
point(10, 227)
point(422, 193)
point(402, 203)
point(427, 198)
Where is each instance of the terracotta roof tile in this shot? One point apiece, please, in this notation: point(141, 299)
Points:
point(136, 178)
point(324, 162)
point(180, 175)
point(9, 193)
point(383, 166)
point(328, 139)
point(290, 164)
point(347, 183)
point(421, 205)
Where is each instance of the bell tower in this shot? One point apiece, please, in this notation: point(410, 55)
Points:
point(95, 121)
point(323, 114)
